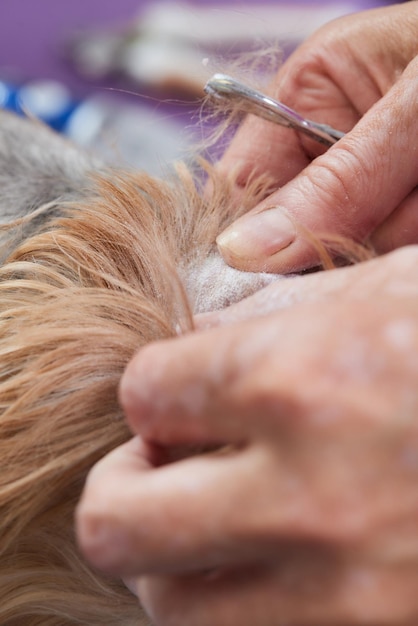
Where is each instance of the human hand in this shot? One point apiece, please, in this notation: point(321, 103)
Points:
point(309, 516)
point(359, 74)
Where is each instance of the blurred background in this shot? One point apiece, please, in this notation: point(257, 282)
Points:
point(125, 77)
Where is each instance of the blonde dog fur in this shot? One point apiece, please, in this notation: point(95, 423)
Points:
point(94, 265)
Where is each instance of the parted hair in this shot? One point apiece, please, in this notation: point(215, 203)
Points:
point(91, 269)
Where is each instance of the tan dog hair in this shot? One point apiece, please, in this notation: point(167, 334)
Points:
point(91, 270)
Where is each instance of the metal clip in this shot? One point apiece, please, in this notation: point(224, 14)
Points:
point(249, 100)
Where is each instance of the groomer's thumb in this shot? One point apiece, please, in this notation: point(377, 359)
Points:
point(349, 191)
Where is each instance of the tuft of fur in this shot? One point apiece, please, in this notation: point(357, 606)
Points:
point(91, 271)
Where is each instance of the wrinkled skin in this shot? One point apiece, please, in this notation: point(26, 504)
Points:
point(360, 75)
point(309, 515)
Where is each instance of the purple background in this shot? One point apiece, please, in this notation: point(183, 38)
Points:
point(32, 32)
point(32, 38)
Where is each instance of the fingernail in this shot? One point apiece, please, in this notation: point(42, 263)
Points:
point(257, 236)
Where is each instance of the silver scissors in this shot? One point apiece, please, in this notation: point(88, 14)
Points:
point(223, 87)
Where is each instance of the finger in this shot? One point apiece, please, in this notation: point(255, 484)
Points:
point(191, 515)
point(241, 383)
point(324, 80)
point(246, 596)
point(175, 392)
point(304, 587)
point(278, 153)
point(198, 389)
point(400, 228)
point(253, 157)
point(107, 478)
point(205, 388)
point(306, 84)
point(348, 191)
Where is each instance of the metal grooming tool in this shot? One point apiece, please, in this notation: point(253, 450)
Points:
point(223, 87)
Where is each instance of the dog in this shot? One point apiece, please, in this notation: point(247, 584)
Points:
point(95, 263)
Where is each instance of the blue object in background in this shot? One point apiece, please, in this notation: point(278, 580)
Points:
point(8, 93)
point(47, 100)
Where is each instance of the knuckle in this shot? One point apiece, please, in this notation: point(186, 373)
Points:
point(338, 180)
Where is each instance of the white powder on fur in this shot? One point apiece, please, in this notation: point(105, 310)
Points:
point(212, 285)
